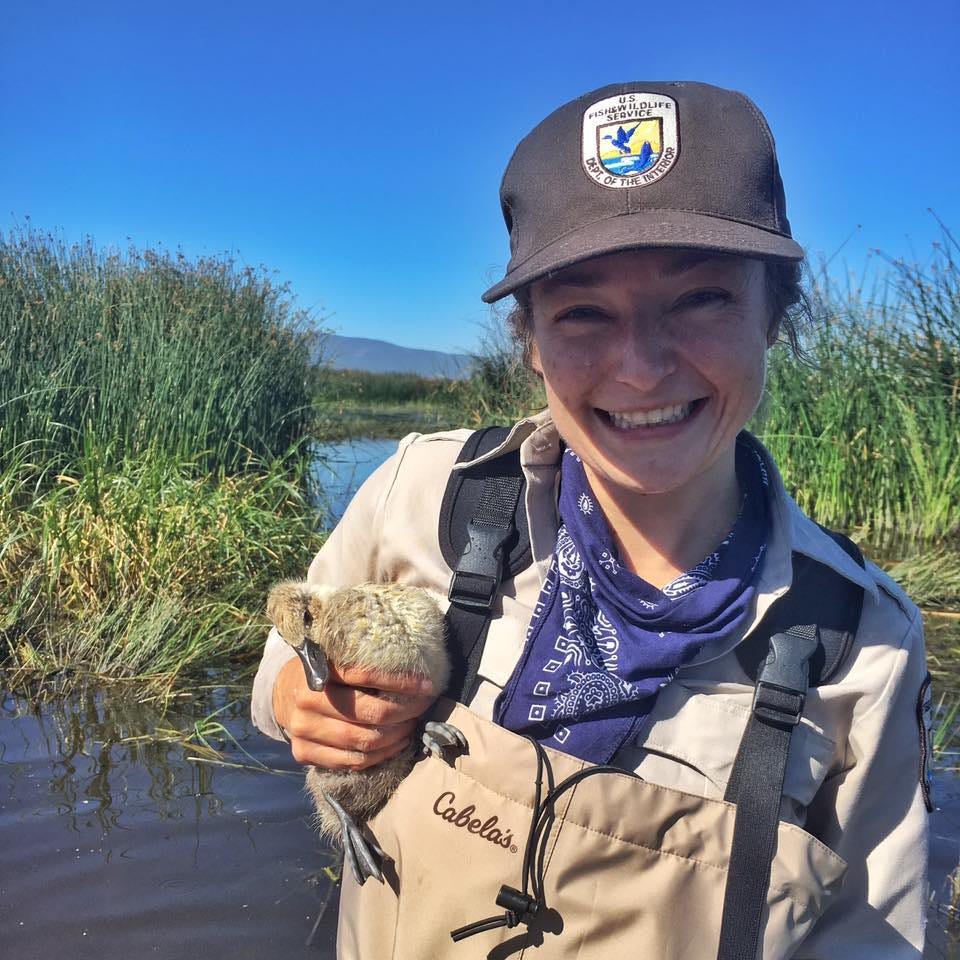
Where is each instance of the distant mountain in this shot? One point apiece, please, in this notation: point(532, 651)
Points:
point(378, 356)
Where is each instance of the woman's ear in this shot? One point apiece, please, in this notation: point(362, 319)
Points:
point(773, 332)
point(535, 363)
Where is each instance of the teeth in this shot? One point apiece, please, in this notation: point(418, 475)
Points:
point(651, 418)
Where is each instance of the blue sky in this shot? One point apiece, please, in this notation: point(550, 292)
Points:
point(357, 150)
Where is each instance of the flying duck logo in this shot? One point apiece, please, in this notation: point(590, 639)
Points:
point(630, 140)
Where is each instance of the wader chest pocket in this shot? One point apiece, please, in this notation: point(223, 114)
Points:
point(627, 863)
point(692, 739)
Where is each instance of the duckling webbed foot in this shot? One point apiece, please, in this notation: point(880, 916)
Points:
point(364, 856)
point(439, 736)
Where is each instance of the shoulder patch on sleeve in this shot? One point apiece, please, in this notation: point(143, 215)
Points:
point(925, 723)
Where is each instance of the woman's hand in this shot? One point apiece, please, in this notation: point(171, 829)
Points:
point(361, 718)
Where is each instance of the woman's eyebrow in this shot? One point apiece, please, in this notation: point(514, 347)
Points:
point(568, 278)
point(689, 261)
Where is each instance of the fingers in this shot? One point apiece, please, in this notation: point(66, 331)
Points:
point(331, 756)
point(361, 718)
point(365, 696)
point(367, 706)
point(404, 684)
point(354, 737)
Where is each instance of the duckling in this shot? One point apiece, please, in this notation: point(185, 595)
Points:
point(388, 627)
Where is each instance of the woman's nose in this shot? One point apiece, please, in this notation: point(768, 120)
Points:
point(644, 357)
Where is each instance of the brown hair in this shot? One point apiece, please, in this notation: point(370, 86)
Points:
point(789, 309)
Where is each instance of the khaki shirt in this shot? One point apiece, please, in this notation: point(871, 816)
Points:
point(854, 772)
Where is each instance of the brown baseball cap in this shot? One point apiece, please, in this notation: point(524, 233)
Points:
point(645, 164)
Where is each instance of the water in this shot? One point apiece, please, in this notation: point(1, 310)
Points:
point(118, 841)
point(342, 467)
point(628, 165)
point(118, 844)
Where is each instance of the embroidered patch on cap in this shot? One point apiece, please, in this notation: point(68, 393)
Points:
point(630, 140)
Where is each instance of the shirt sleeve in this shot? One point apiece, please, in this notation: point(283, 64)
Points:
point(349, 556)
point(873, 814)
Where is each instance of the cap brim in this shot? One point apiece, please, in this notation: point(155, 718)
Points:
point(658, 228)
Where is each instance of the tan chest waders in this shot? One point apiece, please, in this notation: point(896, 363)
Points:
point(626, 865)
point(583, 861)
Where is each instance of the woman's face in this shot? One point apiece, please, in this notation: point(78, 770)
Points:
point(653, 361)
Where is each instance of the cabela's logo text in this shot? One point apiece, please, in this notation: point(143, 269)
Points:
point(445, 808)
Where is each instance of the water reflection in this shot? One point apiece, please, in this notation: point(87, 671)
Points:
point(117, 840)
point(94, 738)
point(121, 840)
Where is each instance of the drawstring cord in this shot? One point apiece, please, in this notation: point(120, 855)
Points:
point(521, 906)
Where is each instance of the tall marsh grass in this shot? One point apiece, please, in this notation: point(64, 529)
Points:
point(867, 435)
point(155, 416)
point(154, 420)
point(866, 432)
point(496, 389)
point(146, 351)
point(377, 389)
point(143, 567)
point(499, 388)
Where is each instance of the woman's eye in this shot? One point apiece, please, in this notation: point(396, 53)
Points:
point(704, 298)
point(582, 314)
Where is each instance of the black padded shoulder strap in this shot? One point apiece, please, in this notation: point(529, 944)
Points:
point(818, 595)
point(484, 538)
point(464, 492)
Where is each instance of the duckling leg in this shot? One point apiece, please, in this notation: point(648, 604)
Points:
point(363, 856)
point(437, 736)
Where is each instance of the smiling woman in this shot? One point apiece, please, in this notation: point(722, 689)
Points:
point(653, 362)
point(704, 711)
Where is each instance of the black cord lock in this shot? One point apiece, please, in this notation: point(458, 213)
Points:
point(523, 905)
point(520, 908)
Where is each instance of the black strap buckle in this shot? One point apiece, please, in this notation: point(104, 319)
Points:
point(477, 578)
point(781, 690)
point(778, 705)
point(475, 590)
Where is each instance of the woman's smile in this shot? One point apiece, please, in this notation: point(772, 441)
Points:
point(653, 419)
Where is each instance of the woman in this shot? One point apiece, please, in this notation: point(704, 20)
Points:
point(653, 266)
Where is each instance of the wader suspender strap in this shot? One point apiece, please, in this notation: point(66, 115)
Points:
point(797, 657)
point(484, 539)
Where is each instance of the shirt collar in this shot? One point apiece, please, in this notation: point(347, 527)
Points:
point(535, 436)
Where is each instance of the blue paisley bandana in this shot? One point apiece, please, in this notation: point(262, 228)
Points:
point(602, 642)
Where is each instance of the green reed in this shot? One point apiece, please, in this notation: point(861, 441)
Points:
point(155, 414)
point(866, 431)
point(144, 566)
point(363, 387)
point(199, 359)
point(868, 434)
point(496, 389)
point(499, 388)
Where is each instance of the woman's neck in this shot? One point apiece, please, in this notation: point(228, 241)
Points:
point(662, 535)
